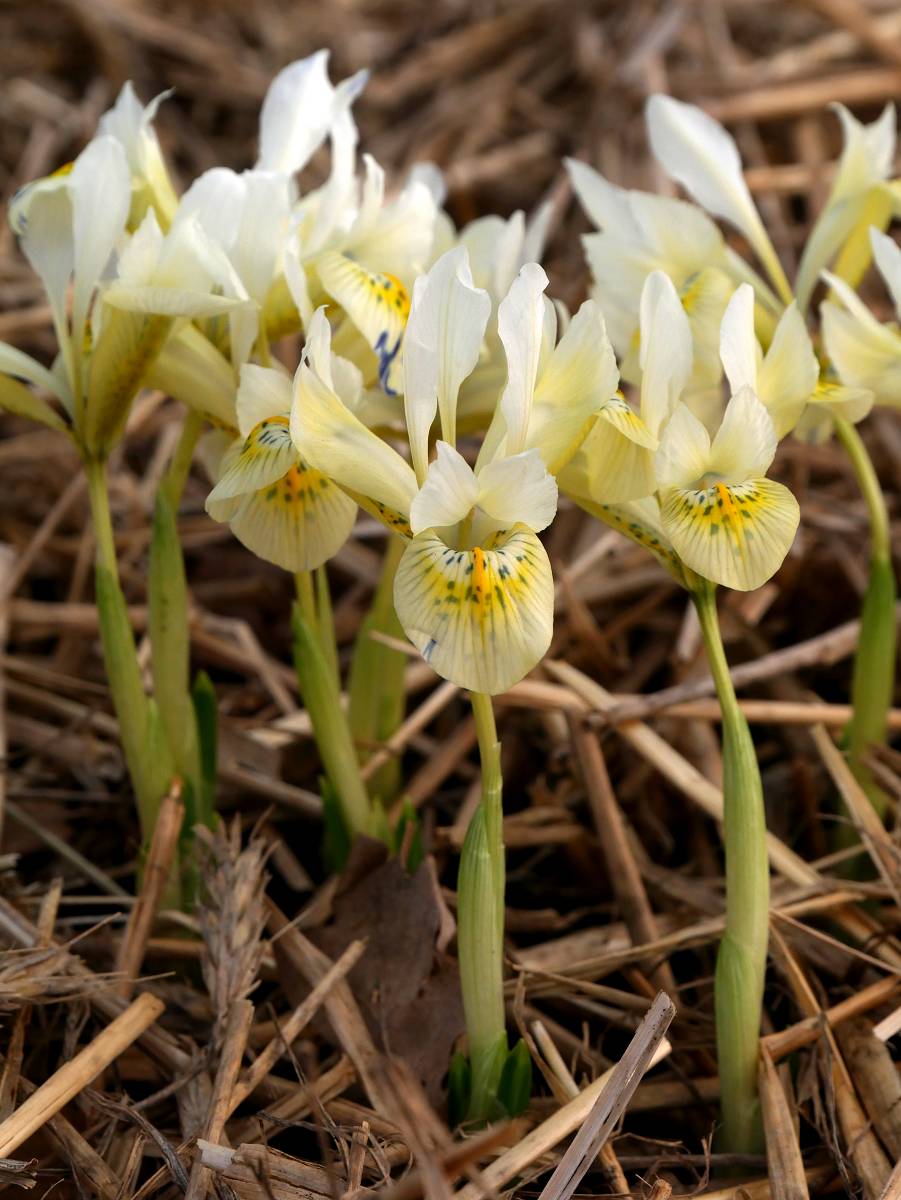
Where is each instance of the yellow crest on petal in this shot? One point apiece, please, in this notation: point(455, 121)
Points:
point(733, 534)
point(481, 617)
point(377, 304)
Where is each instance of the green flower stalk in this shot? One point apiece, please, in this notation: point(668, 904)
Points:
point(480, 925)
point(321, 692)
point(741, 962)
point(873, 678)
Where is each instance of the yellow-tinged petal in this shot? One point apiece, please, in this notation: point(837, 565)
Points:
point(481, 617)
point(265, 455)
point(617, 457)
point(865, 353)
point(297, 522)
point(378, 305)
point(736, 535)
point(330, 438)
point(666, 350)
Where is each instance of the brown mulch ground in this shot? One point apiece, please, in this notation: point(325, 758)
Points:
point(496, 93)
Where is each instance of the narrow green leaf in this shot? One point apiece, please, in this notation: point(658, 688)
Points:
point(515, 1088)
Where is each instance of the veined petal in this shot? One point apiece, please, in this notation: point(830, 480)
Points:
point(448, 494)
point(518, 489)
point(698, 153)
point(266, 454)
point(442, 344)
point(579, 380)
point(297, 522)
point(684, 452)
point(666, 351)
point(831, 400)
point(745, 443)
point(190, 369)
point(639, 521)
point(482, 617)
point(333, 440)
point(735, 535)
point(520, 323)
point(263, 393)
point(100, 188)
point(739, 350)
point(617, 456)
point(378, 305)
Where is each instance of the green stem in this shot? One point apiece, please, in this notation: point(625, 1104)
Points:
point(321, 691)
point(873, 677)
point(143, 744)
point(480, 923)
point(741, 962)
point(179, 468)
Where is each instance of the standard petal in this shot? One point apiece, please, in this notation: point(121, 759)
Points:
point(666, 350)
point(448, 494)
point(887, 255)
point(482, 617)
point(518, 489)
point(789, 373)
point(579, 380)
point(263, 393)
point(698, 153)
point(442, 345)
point(298, 111)
point(520, 324)
point(737, 535)
point(100, 187)
point(684, 452)
point(334, 441)
point(745, 443)
point(739, 350)
point(298, 522)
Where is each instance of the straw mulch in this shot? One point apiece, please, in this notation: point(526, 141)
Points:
point(326, 1076)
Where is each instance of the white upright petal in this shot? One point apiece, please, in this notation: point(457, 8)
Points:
point(739, 350)
point(605, 204)
point(262, 393)
point(443, 338)
point(698, 153)
point(520, 323)
point(666, 350)
point(518, 489)
point(684, 452)
point(131, 123)
point(887, 256)
point(46, 240)
point(854, 199)
point(448, 494)
point(745, 443)
point(100, 187)
point(297, 113)
point(789, 373)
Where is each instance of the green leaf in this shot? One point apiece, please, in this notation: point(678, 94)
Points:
point(170, 642)
point(322, 698)
point(16, 398)
point(515, 1088)
point(459, 1084)
point(336, 841)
